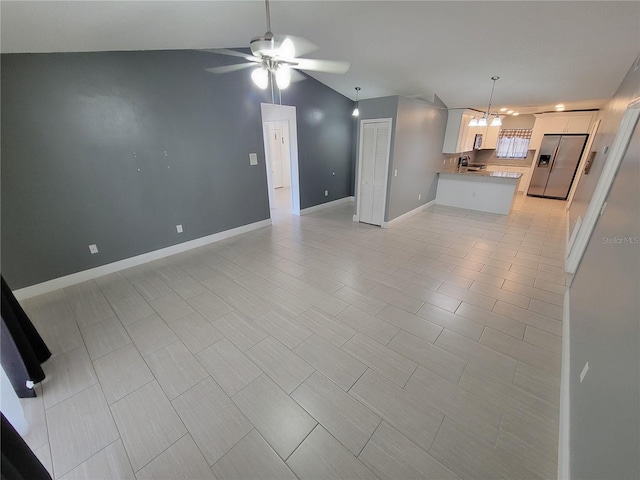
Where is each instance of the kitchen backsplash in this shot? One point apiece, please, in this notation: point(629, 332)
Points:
point(487, 157)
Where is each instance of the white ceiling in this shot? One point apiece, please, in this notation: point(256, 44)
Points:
point(546, 52)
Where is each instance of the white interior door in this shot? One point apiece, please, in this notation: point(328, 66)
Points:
point(279, 152)
point(375, 139)
point(275, 148)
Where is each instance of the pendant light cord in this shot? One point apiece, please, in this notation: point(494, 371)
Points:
point(491, 97)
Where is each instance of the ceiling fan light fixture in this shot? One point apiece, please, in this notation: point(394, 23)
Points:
point(260, 77)
point(287, 49)
point(283, 77)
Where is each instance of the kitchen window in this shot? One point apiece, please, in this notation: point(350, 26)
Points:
point(513, 142)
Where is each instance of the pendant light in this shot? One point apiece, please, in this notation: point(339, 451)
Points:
point(484, 121)
point(356, 111)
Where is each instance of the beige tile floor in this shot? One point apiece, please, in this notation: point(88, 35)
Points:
point(315, 348)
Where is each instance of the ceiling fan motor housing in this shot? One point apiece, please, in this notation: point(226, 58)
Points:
point(264, 45)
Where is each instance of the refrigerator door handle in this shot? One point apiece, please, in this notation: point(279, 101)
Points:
point(553, 160)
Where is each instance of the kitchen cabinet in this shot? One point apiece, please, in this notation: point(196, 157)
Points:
point(489, 137)
point(525, 171)
point(459, 137)
point(549, 123)
point(477, 191)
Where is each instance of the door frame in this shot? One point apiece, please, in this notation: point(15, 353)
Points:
point(598, 200)
point(356, 217)
point(282, 113)
point(585, 155)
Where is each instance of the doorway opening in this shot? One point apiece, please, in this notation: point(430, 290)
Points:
point(281, 157)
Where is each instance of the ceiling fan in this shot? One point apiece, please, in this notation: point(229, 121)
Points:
point(275, 56)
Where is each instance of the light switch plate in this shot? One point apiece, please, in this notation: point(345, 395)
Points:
point(179, 228)
point(253, 159)
point(93, 248)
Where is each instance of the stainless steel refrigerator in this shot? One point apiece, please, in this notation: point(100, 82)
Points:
point(556, 165)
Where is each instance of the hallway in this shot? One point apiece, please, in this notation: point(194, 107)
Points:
point(315, 348)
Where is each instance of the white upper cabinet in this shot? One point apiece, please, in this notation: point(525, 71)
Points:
point(489, 137)
point(579, 124)
point(550, 123)
point(459, 137)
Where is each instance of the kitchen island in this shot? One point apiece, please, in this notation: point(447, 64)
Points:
point(492, 192)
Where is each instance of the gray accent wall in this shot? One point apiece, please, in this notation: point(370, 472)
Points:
point(325, 141)
point(605, 320)
point(417, 154)
point(117, 148)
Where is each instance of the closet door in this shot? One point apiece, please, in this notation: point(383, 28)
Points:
point(375, 139)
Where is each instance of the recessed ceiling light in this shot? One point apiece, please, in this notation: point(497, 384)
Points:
point(515, 114)
point(503, 109)
point(509, 112)
point(560, 107)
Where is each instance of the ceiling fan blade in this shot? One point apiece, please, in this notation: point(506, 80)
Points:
point(230, 68)
point(297, 76)
point(301, 46)
point(329, 66)
point(233, 53)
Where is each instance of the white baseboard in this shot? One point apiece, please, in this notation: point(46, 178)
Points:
point(322, 206)
point(84, 275)
point(564, 470)
point(410, 213)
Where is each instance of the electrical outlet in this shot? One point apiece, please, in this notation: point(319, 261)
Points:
point(93, 248)
point(419, 196)
point(179, 228)
point(253, 159)
point(326, 193)
point(395, 172)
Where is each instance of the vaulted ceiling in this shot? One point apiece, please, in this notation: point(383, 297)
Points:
point(546, 52)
